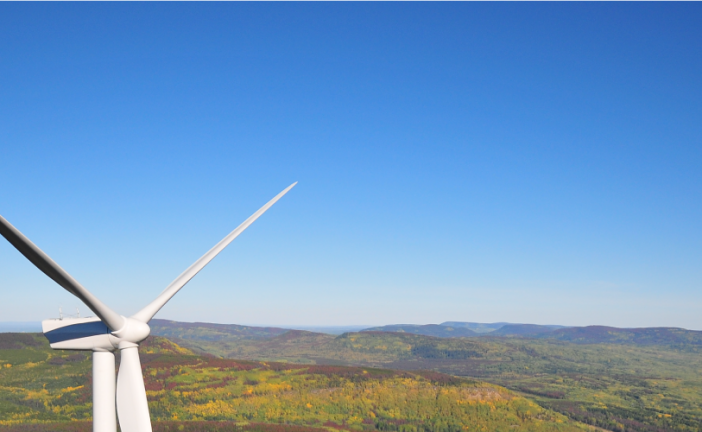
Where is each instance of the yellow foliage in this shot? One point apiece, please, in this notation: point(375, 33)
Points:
point(70, 389)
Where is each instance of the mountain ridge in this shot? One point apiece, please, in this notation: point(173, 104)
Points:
point(212, 331)
point(233, 333)
point(427, 330)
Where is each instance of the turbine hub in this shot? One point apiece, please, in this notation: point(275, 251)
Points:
point(133, 331)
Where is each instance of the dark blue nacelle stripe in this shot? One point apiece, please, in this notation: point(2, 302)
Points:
point(77, 331)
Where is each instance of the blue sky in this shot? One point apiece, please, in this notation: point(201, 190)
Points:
point(457, 161)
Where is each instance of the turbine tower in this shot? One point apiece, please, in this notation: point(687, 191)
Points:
point(109, 332)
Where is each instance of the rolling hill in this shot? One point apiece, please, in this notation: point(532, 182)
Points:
point(656, 386)
point(42, 390)
point(211, 332)
point(528, 330)
point(428, 330)
point(645, 380)
point(476, 327)
point(664, 336)
point(230, 334)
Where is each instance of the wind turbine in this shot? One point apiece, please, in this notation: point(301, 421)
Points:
point(109, 331)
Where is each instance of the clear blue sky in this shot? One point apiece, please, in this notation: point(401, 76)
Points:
point(471, 162)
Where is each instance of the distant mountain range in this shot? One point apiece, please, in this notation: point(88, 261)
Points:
point(232, 333)
point(230, 336)
point(451, 329)
point(669, 336)
point(467, 329)
point(476, 327)
point(525, 330)
point(335, 330)
point(438, 330)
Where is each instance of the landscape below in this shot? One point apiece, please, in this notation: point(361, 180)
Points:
point(41, 388)
point(617, 379)
point(282, 380)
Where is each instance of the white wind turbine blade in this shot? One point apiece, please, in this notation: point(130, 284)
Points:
point(42, 261)
point(149, 311)
point(132, 407)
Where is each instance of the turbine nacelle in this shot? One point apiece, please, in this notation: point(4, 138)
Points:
point(92, 334)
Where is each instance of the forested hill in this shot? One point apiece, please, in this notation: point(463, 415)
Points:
point(476, 327)
point(231, 333)
point(40, 387)
point(211, 332)
point(527, 330)
point(619, 387)
point(666, 336)
point(616, 386)
point(428, 330)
